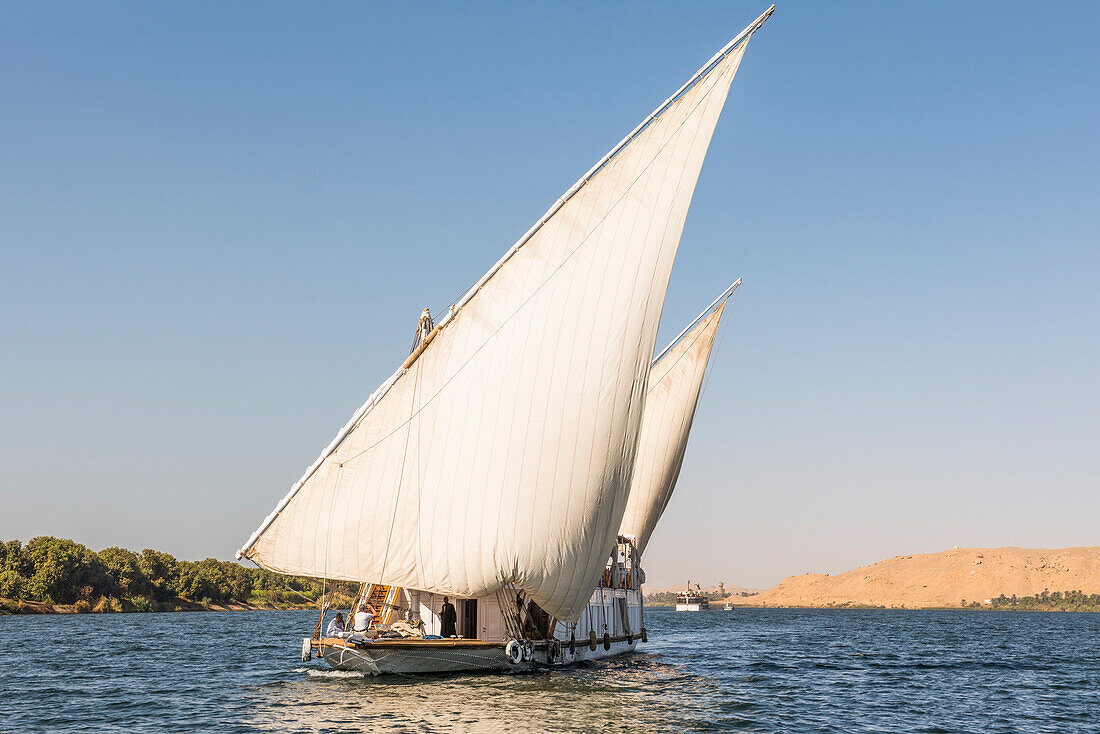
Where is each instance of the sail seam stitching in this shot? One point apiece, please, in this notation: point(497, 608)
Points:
point(383, 390)
point(534, 293)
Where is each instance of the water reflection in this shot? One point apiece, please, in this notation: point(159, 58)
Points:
point(626, 694)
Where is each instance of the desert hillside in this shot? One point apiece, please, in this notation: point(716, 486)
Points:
point(943, 579)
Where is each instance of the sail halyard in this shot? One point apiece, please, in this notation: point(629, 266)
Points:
point(676, 380)
point(564, 269)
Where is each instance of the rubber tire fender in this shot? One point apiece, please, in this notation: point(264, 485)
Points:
point(514, 651)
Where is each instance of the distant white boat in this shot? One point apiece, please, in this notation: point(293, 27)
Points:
point(691, 601)
point(495, 465)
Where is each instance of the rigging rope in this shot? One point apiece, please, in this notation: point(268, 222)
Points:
point(718, 347)
point(566, 259)
point(400, 477)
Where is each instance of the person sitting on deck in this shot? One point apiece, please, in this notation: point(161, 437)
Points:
point(336, 626)
point(364, 617)
point(447, 619)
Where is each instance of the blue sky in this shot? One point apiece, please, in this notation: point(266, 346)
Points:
point(219, 223)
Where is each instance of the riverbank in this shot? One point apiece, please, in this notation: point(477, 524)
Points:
point(60, 576)
point(19, 606)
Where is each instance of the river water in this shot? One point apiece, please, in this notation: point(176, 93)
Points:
point(750, 670)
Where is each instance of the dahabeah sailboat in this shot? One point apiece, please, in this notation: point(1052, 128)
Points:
point(519, 458)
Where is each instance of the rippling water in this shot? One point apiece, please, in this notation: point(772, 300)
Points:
point(746, 670)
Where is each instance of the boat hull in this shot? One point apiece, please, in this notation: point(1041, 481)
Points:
point(611, 624)
point(411, 659)
point(443, 656)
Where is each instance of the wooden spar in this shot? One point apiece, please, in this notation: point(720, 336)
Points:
point(580, 183)
point(725, 294)
point(703, 71)
point(317, 631)
point(422, 346)
point(365, 408)
point(378, 394)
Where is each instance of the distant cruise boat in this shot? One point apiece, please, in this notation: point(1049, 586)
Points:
point(520, 457)
point(691, 601)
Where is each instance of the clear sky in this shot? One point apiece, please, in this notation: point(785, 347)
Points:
point(220, 221)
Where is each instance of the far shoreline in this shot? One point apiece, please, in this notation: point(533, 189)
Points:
point(717, 607)
point(13, 607)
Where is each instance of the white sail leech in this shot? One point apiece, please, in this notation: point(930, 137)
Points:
point(675, 381)
point(507, 454)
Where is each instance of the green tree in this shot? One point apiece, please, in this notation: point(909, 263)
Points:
point(124, 568)
point(11, 584)
point(240, 581)
point(162, 573)
point(12, 557)
point(64, 571)
point(202, 581)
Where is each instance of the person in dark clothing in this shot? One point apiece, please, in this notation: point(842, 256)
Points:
point(537, 623)
point(447, 618)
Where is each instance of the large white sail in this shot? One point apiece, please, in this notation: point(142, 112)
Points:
point(502, 451)
point(674, 384)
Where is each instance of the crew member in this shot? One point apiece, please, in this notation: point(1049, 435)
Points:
point(364, 617)
point(447, 619)
point(536, 624)
point(335, 626)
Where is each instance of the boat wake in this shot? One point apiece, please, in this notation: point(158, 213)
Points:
point(322, 673)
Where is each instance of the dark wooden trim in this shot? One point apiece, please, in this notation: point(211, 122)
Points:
point(411, 642)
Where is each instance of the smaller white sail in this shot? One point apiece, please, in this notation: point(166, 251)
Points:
point(675, 380)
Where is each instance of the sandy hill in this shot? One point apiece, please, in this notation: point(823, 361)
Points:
point(943, 579)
